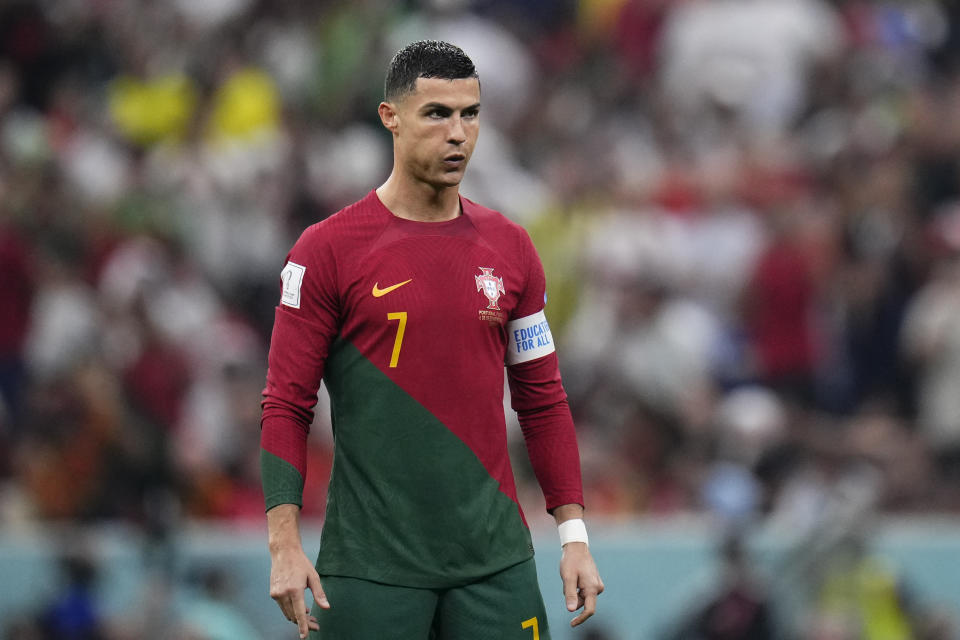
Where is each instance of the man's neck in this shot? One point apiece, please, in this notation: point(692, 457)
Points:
point(419, 201)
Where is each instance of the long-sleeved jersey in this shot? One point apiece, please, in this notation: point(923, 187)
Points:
point(410, 325)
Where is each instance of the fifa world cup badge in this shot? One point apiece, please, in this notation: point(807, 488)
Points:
point(491, 286)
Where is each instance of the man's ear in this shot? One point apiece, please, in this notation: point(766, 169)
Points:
point(388, 116)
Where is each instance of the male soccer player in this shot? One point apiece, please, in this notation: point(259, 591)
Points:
point(409, 303)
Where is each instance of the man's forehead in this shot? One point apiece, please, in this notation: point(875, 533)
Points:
point(445, 91)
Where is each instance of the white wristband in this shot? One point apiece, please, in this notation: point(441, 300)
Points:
point(572, 531)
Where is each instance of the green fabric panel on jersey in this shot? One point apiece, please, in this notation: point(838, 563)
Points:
point(408, 503)
point(282, 483)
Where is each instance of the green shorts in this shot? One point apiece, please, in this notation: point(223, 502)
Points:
point(504, 606)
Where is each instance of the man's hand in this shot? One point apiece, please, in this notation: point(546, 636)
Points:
point(581, 580)
point(290, 571)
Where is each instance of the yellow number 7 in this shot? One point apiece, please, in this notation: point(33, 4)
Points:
point(402, 317)
point(532, 622)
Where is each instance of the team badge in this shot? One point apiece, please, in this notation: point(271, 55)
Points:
point(491, 286)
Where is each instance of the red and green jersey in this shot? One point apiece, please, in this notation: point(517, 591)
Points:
point(410, 324)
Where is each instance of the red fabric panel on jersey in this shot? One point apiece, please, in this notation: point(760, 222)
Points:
point(537, 395)
point(293, 378)
point(298, 349)
point(535, 384)
point(552, 447)
point(294, 369)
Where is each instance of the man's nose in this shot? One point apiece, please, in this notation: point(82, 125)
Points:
point(456, 135)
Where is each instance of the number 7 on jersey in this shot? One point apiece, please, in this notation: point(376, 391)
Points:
point(402, 317)
point(532, 622)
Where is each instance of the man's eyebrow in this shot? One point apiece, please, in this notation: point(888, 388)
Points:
point(440, 105)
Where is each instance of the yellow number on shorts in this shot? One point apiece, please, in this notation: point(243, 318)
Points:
point(532, 622)
point(402, 317)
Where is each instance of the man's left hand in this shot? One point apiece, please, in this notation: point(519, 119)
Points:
point(581, 580)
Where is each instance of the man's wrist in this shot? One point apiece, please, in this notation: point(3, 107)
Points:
point(567, 512)
point(283, 525)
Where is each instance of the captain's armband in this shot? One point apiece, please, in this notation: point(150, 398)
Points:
point(528, 338)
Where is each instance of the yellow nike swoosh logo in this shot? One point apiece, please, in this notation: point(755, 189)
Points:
point(377, 291)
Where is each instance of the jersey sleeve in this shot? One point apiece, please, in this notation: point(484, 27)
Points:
point(537, 393)
point(305, 325)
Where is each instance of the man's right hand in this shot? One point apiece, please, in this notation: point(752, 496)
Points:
point(290, 571)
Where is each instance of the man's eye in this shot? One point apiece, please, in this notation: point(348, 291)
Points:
point(436, 114)
point(471, 113)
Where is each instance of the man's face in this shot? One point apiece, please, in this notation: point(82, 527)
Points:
point(435, 129)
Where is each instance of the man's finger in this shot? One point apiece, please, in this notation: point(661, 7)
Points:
point(570, 591)
point(286, 608)
point(589, 608)
point(301, 613)
point(313, 581)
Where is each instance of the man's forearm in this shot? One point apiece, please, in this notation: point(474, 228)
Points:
point(283, 526)
point(567, 512)
point(552, 446)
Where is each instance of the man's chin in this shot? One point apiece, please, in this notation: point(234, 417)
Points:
point(448, 179)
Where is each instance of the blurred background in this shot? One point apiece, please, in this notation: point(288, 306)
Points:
point(748, 212)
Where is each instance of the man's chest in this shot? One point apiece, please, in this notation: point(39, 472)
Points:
point(427, 297)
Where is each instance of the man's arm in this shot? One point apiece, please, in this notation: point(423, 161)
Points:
point(538, 397)
point(551, 445)
point(304, 327)
point(291, 570)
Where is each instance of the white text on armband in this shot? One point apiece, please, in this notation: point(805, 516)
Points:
point(528, 339)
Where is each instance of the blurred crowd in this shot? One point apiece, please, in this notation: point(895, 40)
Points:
point(748, 211)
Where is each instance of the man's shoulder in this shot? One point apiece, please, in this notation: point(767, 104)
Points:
point(492, 221)
point(359, 218)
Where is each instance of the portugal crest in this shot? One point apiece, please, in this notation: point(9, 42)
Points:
point(490, 285)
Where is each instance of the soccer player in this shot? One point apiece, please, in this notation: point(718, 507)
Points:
point(409, 303)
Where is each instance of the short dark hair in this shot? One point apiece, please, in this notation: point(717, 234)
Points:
point(425, 59)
